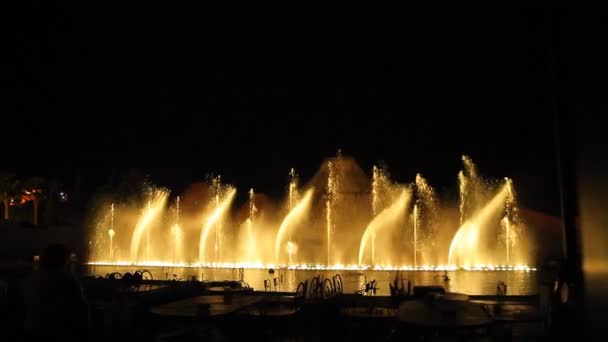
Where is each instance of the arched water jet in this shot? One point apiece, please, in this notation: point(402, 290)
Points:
point(360, 197)
point(465, 244)
point(390, 214)
point(213, 221)
point(156, 203)
point(296, 214)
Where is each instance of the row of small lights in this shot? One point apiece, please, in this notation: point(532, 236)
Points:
point(481, 267)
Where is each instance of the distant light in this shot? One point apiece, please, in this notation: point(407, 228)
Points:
point(63, 196)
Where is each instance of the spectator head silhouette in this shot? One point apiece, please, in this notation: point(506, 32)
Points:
point(54, 257)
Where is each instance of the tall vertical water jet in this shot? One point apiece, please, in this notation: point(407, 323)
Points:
point(384, 220)
point(176, 232)
point(293, 189)
point(111, 232)
point(212, 222)
point(507, 220)
point(470, 167)
point(148, 247)
point(416, 222)
point(250, 221)
point(295, 216)
point(293, 198)
point(329, 203)
point(380, 192)
point(473, 190)
point(506, 224)
point(156, 203)
point(350, 207)
point(379, 188)
point(217, 188)
point(375, 206)
point(426, 207)
point(462, 187)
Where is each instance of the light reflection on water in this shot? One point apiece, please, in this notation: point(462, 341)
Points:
point(469, 282)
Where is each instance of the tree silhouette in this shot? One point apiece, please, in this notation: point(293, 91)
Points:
point(33, 190)
point(9, 187)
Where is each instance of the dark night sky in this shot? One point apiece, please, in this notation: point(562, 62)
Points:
point(182, 92)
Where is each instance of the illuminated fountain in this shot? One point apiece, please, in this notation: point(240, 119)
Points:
point(293, 198)
point(380, 188)
point(177, 234)
point(111, 232)
point(342, 218)
point(384, 222)
point(416, 214)
point(475, 243)
point(214, 222)
point(290, 222)
point(425, 216)
point(467, 247)
point(250, 221)
point(510, 222)
point(473, 190)
point(157, 199)
point(330, 199)
point(217, 187)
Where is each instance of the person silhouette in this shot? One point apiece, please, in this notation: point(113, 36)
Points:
point(54, 302)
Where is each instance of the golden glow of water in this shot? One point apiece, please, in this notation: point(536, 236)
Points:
point(425, 218)
point(148, 240)
point(112, 216)
point(375, 206)
point(212, 222)
point(177, 237)
point(416, 220)
point(250, 222)
point(177, 210)
point(291, 250)
point(341, 213)
point(384, 220)
point(294, 217)
point(465, 248)
point(380, 195)
point(217, 187)
point(507, 226)
point(336, 267)
point(293, 198)
point(462, 184)
point(111, 232)
point(506, 221)
point(156, 203)
point(331, 194)
point(178, 241)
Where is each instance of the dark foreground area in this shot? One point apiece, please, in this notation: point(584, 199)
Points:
point(131, 305)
